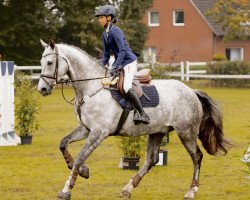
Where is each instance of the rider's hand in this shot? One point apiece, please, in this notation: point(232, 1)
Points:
point(102, 64)
point(114, 71)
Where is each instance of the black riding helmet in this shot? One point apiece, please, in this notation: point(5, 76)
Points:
point(106, 11)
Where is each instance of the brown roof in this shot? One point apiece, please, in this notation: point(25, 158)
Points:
point(202, 6)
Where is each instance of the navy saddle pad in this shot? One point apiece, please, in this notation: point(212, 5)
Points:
point(150, 91)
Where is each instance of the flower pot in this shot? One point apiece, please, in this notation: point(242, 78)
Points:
point(26, 139)
point(130, 163)
point(163, 157)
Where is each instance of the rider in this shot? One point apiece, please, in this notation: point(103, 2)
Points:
point(114, 39)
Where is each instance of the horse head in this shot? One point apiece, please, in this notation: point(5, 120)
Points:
point(54, 67)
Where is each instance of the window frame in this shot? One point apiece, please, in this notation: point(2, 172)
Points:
point(241, 53)
point(174, 18)
point(149, 18)
point(150, 50)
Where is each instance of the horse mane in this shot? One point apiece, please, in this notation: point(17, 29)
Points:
point(82, 51)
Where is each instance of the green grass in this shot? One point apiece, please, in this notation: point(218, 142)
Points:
point(38, 171)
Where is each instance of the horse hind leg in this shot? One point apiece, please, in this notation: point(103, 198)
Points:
point(153, 146)
point(189, 141)
point(80, 133)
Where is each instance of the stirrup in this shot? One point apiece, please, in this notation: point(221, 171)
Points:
point(145, 118)
point(137, 117)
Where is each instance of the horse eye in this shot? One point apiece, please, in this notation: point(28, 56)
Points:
point(50, 62)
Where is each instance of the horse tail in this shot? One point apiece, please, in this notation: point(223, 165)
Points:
point(211, 128)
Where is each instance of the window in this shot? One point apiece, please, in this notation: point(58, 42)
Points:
point(178, 18)
point(149, 54)
point(153, 18)
point(235, 54)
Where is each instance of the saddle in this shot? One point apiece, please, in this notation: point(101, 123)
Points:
point(143, 76)
point(147, 93)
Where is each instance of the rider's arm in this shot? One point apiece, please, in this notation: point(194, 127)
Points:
point(120, 42)
point(106, 53)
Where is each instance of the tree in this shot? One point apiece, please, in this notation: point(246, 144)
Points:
point(81, 28)
point(131, 14)
point(234, 16)
point(22, 24)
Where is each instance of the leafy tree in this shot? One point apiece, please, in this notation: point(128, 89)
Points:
point(131, 14)
point(234, 16)
point(82, 29)
point(22, 24)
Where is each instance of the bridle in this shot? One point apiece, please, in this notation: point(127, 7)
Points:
point(55, 75)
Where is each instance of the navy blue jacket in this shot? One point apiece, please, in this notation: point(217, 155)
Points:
point(115, 40)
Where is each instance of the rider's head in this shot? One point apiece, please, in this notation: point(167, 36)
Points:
point(106, 14)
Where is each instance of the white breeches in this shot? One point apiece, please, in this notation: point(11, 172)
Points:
point(129, 70)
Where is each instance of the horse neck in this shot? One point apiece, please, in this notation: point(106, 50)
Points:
point(82, 66)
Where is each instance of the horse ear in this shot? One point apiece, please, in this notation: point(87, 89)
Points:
point(52, 44)
point(43, 43)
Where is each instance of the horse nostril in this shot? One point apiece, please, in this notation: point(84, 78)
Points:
point(43, 89)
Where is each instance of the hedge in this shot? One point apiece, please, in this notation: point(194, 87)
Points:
point(233, 68)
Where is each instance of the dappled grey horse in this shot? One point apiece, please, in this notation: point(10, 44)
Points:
point(191, 113)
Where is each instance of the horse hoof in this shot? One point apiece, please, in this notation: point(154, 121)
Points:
point(64, 196)
point(84, 172)
point(125, 194)
point(188, 198)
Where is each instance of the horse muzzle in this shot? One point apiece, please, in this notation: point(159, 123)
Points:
point(44, 89)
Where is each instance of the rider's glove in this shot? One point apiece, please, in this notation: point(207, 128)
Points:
point(114, 71)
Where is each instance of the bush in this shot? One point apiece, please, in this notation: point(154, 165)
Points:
point(227, 67)
point(219, 57)
point(133, 146)
point(159, 71)
point(26, 109)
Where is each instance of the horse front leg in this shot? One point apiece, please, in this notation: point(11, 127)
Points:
point(93, 141)
point(80, 133)
point(152, 158)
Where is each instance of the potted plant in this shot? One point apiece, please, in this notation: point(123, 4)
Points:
point(26, 109)
point(133, 149)
point(163, 153)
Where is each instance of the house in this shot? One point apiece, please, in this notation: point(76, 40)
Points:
point(181, 31)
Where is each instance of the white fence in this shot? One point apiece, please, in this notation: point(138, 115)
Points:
point(7, 134)
point(202, 74)
point(35, 71)
point(185, 72)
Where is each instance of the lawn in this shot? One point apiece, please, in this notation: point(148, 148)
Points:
point(38, 171)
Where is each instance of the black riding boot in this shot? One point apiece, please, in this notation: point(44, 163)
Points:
point(142, 117)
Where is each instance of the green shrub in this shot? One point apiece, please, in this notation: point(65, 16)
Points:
point(219, 57)
point(159, 71)
point(133, 146)
point(26, 109)
point(231, 68)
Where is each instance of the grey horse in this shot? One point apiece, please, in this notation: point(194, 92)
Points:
point(191, 113)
